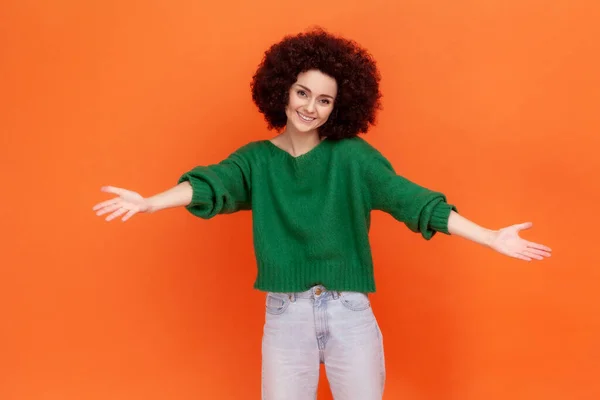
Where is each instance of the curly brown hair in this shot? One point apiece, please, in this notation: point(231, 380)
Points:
point(352, 67)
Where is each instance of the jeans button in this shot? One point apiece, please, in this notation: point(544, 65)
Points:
point(318, 291)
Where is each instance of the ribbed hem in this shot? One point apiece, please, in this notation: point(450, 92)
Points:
point(299, 277)
point(439, 217)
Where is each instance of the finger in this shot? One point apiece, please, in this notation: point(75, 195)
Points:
point(521, 257)
point(109, 209)
point(105, 203)
point(129, 214)
point(539, 252)
point(538, 246)
point(114, 190)
point(525, 225)
point(116, 214)
point(529, 254)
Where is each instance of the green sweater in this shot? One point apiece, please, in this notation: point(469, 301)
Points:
point(311, 214)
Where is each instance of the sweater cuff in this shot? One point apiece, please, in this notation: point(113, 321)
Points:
point(439, 217)
point(201, 191)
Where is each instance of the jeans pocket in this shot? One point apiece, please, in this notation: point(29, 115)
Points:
point(277, 303)
point(355, 301)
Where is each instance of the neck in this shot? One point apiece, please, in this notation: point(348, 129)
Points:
point(300, 142)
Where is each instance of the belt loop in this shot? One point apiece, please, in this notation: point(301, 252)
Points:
point(335, 294)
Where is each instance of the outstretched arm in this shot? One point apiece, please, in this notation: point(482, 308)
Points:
point(204, 190)
point(130, 203)
point(505, 241)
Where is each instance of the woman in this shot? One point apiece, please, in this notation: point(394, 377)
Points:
point(311, 189)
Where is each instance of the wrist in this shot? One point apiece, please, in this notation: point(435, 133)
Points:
point(152, 205)
point(489, 237)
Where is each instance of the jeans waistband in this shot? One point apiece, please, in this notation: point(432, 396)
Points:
point(314, 292)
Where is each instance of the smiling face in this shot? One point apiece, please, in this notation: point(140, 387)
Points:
point(311, 101)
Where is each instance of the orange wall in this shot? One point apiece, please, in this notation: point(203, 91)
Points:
point(495, 103)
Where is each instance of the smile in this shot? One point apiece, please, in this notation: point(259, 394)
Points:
point(305, 118)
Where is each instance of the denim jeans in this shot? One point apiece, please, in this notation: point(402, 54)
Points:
point(338, 329)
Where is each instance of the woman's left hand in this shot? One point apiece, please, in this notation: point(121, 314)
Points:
point(507, 241)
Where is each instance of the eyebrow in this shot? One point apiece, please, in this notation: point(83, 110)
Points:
point(308, 90)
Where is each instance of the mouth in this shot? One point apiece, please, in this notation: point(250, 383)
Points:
point(304, 118)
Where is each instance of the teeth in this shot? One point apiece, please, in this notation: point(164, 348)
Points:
point(305, 118)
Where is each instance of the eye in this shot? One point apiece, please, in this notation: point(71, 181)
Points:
point(301, 93)
point(325, 101)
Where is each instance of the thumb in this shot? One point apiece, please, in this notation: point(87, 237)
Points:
point(525, 225)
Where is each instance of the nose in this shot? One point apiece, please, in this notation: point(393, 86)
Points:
point(310, 107)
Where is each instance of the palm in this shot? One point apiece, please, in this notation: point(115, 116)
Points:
point(128, 202)
point(507, 241)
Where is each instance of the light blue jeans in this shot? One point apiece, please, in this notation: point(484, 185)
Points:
point(303, 330)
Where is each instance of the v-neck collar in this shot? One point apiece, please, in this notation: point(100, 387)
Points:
point(301, 156)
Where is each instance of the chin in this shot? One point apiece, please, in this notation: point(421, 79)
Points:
point(304, 129)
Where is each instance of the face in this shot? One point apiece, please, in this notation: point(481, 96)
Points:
point(311, 100)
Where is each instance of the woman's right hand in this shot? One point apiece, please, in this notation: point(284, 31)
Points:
point(127, 202)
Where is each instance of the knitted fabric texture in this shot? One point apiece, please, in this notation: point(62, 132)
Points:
point(311, 214)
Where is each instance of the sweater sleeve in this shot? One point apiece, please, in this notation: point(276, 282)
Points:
point(422, 210)
point(222, 188)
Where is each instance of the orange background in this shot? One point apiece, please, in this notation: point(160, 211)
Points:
point(495, 103)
